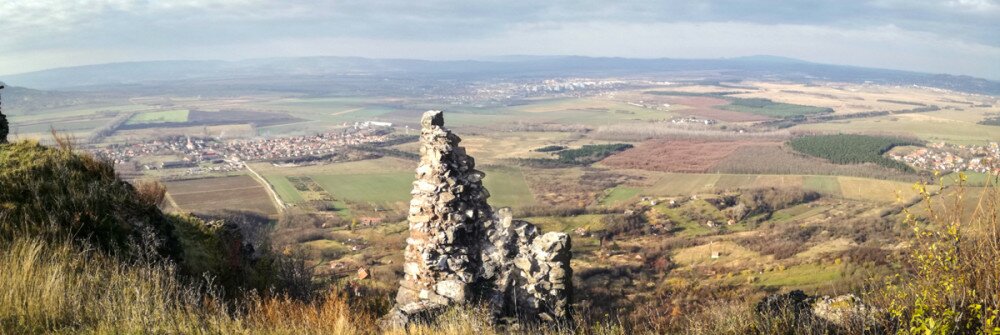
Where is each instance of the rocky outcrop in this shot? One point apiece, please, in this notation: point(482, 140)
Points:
point(461, 252)
point(837, 313)
point(4, 126)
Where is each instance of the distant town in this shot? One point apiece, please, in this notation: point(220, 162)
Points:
point(954, 158)
point(208, 154)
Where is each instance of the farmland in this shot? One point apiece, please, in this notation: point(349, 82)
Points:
point(678, 155)
point(168, 116)
point(931, 127)
point(384, 182)
point(686, 184)
point(712, 108)
point(240, 193)
point(666, 190)
point(769, 108)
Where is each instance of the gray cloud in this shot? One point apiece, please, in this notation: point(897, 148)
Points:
point(956, 36)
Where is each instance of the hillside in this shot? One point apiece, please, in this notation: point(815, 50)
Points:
point(85, 252)
point(89, 253)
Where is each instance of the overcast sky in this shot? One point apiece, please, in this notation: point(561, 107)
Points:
point(952, 36)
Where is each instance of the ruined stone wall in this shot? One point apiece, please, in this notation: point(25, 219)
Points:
point(446, 213)
point(4, 126)
point(460, 251)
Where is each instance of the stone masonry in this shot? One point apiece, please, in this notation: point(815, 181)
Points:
point(461, 252)
point(4, 127)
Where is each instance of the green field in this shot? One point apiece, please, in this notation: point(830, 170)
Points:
point(387, 180)
point(971, 179)
point(682, 218)
point(76, 127)
point(875, 190)
point(285, 189)
point(925, 127)
point(377, 188)
point(733, 181)
point(684, 184)
point(507, 188)
point(797, 212)
point(567, 224)
point(620, 195)
point(591, 111)
point(828, 185)
point(770, 108)
point(169, 116)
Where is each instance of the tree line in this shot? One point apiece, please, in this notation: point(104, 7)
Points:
point(586, 155)
point(852, 149)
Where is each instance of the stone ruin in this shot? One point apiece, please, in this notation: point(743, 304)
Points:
point(4, 127)
point(461, 252)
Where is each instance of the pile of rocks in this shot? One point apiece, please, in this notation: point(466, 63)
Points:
point(461, 252)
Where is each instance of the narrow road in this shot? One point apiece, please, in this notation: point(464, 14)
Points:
point(278, 204)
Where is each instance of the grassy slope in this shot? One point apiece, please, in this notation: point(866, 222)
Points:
point(670, 184)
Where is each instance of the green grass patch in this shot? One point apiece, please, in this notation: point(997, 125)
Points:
point(802, 276)
point(691, 217)
point(620, 195)
point(684, 184)
point(795, 212)
point(734, 181)
point(971, 179)
point(826, 185)
point(379, 188)
point(169, 116)
point(507, 188)
point(567, 224)
point(286, 191)
point(766, 107)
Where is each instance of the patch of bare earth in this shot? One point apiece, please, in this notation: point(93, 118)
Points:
point(705, 107)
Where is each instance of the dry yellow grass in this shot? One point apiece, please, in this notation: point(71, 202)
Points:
point(58, 288)
point(730, 254)
point(853, 98)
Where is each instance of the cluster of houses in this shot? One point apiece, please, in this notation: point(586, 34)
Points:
point(954, 158)
point(230, 154)
point(692, 120)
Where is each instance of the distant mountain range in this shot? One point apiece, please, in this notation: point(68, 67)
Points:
point(105, 76)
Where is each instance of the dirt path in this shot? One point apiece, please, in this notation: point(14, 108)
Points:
point(278, 204)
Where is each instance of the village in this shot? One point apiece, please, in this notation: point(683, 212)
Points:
point(230, 155)
point(953, 158)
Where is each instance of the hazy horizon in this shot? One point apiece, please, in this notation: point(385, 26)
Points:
point(955, 37)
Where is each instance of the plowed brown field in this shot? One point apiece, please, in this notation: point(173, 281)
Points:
point(705, 107)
